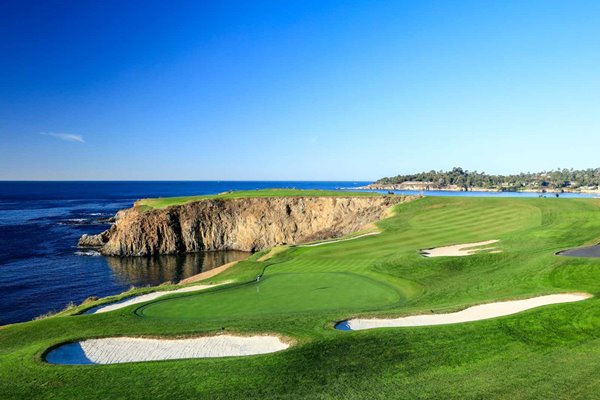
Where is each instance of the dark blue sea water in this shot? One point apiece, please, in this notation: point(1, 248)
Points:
point(41, 268)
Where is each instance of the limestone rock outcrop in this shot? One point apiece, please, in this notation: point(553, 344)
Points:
point(246, 224)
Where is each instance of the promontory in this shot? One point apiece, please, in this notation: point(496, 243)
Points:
point(245, 221)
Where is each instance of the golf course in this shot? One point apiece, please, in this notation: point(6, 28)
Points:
point(493, 250)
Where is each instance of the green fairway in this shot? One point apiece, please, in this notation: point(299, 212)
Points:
point(280, 293)
point(548, 352)
point(148, 204)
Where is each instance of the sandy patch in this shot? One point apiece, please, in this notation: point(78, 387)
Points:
point(460, 250)
point(273, 252)
point(338, 240)
point(208, 274)
point(128, 349)
point(147, 297)
point(475, 313)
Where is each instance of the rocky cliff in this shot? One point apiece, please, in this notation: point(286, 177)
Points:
point(246, 224)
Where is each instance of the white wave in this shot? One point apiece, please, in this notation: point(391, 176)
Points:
point(88, 253)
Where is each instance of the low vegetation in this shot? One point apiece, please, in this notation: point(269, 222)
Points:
point(548, 352)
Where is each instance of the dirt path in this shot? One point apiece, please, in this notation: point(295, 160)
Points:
point(338, 240)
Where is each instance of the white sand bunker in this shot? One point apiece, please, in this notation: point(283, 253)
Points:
point(127, 349)
point(145, 297)
point(338, 240)
point(460, 250)
point(475, 313)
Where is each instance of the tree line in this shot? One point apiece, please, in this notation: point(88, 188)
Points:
point(553, 179)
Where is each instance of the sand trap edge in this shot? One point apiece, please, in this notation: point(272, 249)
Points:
point(117, 350)
point(142, 298)
point(460, 250)
point(474, 313)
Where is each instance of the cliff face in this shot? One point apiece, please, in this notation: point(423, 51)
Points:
point(247, 224)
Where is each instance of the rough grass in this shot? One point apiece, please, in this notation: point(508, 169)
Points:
point(549, 352)
point(149, 204)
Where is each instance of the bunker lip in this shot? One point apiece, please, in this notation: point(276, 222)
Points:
point(128, 301)
point(470, 314)
point(592, 251)
point(116, 350)
point(460, 250)
point(343, 325)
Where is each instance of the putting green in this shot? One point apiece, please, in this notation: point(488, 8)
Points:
point(278, 294)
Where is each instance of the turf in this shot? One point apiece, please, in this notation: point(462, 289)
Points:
point(162, 202)
point(548, 352)
point(280, 293)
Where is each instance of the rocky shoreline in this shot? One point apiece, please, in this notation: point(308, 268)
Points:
point(245, 224)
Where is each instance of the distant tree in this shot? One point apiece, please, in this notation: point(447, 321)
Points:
point(557, 179)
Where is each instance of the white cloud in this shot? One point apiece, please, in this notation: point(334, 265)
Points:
point(67, 137)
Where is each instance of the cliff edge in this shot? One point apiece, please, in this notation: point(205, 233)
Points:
point(246, 224)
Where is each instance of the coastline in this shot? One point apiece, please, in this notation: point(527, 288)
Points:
point(53, 216)
point(454, 188)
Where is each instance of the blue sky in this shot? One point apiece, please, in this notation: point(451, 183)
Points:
point(307, 90)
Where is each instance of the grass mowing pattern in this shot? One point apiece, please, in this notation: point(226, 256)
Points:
point(549, 352)
point(280, 293)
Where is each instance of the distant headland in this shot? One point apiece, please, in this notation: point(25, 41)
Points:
point(244, 221)
point(458, 179)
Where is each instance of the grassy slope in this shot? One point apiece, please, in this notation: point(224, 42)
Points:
point(171, 201)
point(550, 352)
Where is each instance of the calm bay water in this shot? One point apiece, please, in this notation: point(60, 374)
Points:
point(41, 268)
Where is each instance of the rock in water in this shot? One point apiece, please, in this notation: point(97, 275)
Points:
point(93, 241)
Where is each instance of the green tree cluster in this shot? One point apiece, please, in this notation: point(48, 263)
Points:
point(553, 179)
